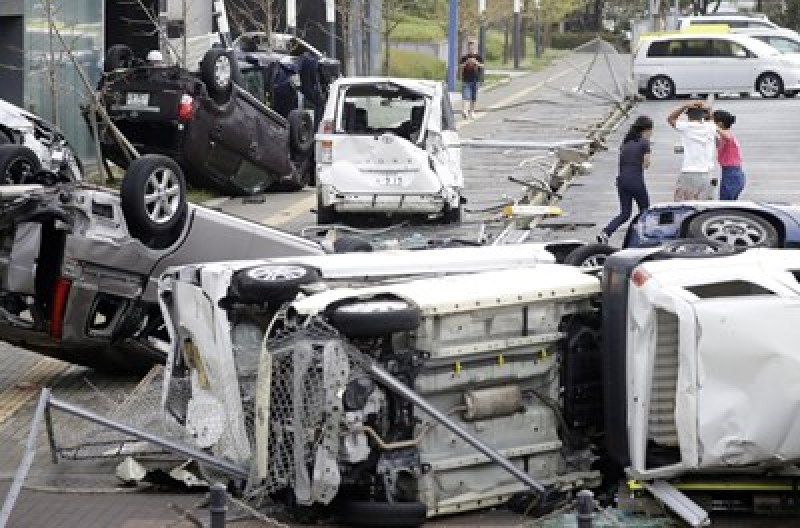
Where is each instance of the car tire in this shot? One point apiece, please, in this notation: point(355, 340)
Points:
point(270, 283)
point(376, 317)
point(453, 215)
point(790, 94)
point(589, 256)
point(769, 85)
point(381, 514)
point(217, 71)
point(18, 164)
point(351, 244)
point(118, 56)
point(301, 132)
point(326, 214)
point(734, 228)
point(694, 248)
point(153, 199)
point(661, 88)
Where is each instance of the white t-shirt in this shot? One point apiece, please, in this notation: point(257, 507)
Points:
point(699, 145)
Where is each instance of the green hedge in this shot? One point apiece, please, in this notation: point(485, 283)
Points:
point(404, 63)
point(415, 29)
point(572, 39)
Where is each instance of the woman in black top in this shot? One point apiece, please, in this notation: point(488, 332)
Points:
point(634, 157)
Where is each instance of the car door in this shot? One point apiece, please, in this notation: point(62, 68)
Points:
point(733, 66)
point(451, 140)
point(690, 68)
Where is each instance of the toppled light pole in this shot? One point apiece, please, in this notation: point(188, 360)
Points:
point(452, 45)
point(517, 31)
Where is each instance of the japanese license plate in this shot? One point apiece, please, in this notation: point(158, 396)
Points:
point(390, 180)
point(138, 99)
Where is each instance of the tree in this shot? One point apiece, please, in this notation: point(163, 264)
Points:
point(392, 12)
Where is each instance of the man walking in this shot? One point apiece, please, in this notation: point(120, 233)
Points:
point(470, 65)
point(698, 138)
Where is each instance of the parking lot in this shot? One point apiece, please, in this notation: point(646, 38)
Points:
point(528, 108)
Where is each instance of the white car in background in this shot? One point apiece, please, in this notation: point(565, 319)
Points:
point(735, 22)
point(28, 143)
point(700, 63)
point(785, 41)
point(388, 146)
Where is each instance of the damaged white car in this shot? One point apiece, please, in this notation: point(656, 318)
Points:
point(396, 386)
point(388, 146)
point(29, 144)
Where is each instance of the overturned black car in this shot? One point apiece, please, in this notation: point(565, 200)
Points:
point(242, 124)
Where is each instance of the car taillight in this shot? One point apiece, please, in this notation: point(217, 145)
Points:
point(59, 306)
point(186, 108)
point(639, 277)
point(326, 126)
point(325, 151)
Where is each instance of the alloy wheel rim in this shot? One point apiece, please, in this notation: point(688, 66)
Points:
point(661, 89)
point(734, 231)
point(769, 86)
point(162, 195)
point(18, 171)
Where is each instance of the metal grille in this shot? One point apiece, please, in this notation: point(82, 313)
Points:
point(661, 419)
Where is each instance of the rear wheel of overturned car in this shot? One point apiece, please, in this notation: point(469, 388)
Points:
point(153, 199)
point(376, 317)
point(301, 131)
point(18, 164)
point(271, 283)
point(118, 56)
point(589, 256)
point(217, 72)
point(734, 228)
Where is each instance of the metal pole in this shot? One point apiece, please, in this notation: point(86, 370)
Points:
point(401, 389)
point(517, 31)
point(218, 505)
point(27, 459)
point(175, 447)
point(452, 45)
point(584, 507)
point(482, 29)
point(330, 16)
point(291, 16)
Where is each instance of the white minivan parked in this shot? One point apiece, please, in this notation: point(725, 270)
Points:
point(695, 63)
point(388, 146)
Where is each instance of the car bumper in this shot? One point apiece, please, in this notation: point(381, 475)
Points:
point(390, 202)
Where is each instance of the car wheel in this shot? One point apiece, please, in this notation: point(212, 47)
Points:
point(769, 85)
point(661, 88)
point(153, 199)
point(326, 214)
point(375, 317)
point(301, 131)
point(118, 56)
point(18, 164)
point(695, 248)
point(790, 93)
point(270, 283)
point(381, 514)
point(351, 244)
point(589, 256)
point(734, 228)
point(217, 72)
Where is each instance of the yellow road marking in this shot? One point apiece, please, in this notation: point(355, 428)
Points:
point(41, 374)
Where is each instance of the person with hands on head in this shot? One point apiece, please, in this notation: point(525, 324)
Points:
point(698, 138)
point(470, 65)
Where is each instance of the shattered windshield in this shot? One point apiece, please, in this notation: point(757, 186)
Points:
point(371, 111)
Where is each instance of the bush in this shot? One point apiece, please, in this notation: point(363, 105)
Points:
point(415, 29)
point(572, 39)
point(404, 63)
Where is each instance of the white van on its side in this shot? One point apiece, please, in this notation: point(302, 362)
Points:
point(695, 63)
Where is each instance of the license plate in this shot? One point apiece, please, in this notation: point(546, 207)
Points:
point(138, 99)
point(390, 180)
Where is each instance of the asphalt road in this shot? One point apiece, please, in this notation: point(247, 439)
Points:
point(530, 107)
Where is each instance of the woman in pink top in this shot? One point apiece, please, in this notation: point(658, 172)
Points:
point(729, 156)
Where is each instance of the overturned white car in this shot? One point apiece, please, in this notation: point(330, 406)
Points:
point(388, 146)
point(364, 383)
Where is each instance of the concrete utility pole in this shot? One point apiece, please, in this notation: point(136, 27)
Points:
point(517, 31)
point(452, 45)
point(291, 16)
point(482, 31)
point(330, 17)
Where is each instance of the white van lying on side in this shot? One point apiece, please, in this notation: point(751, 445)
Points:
point(388, 146)
point(687, 63)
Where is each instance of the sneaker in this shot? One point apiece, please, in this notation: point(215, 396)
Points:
point(602, 238)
